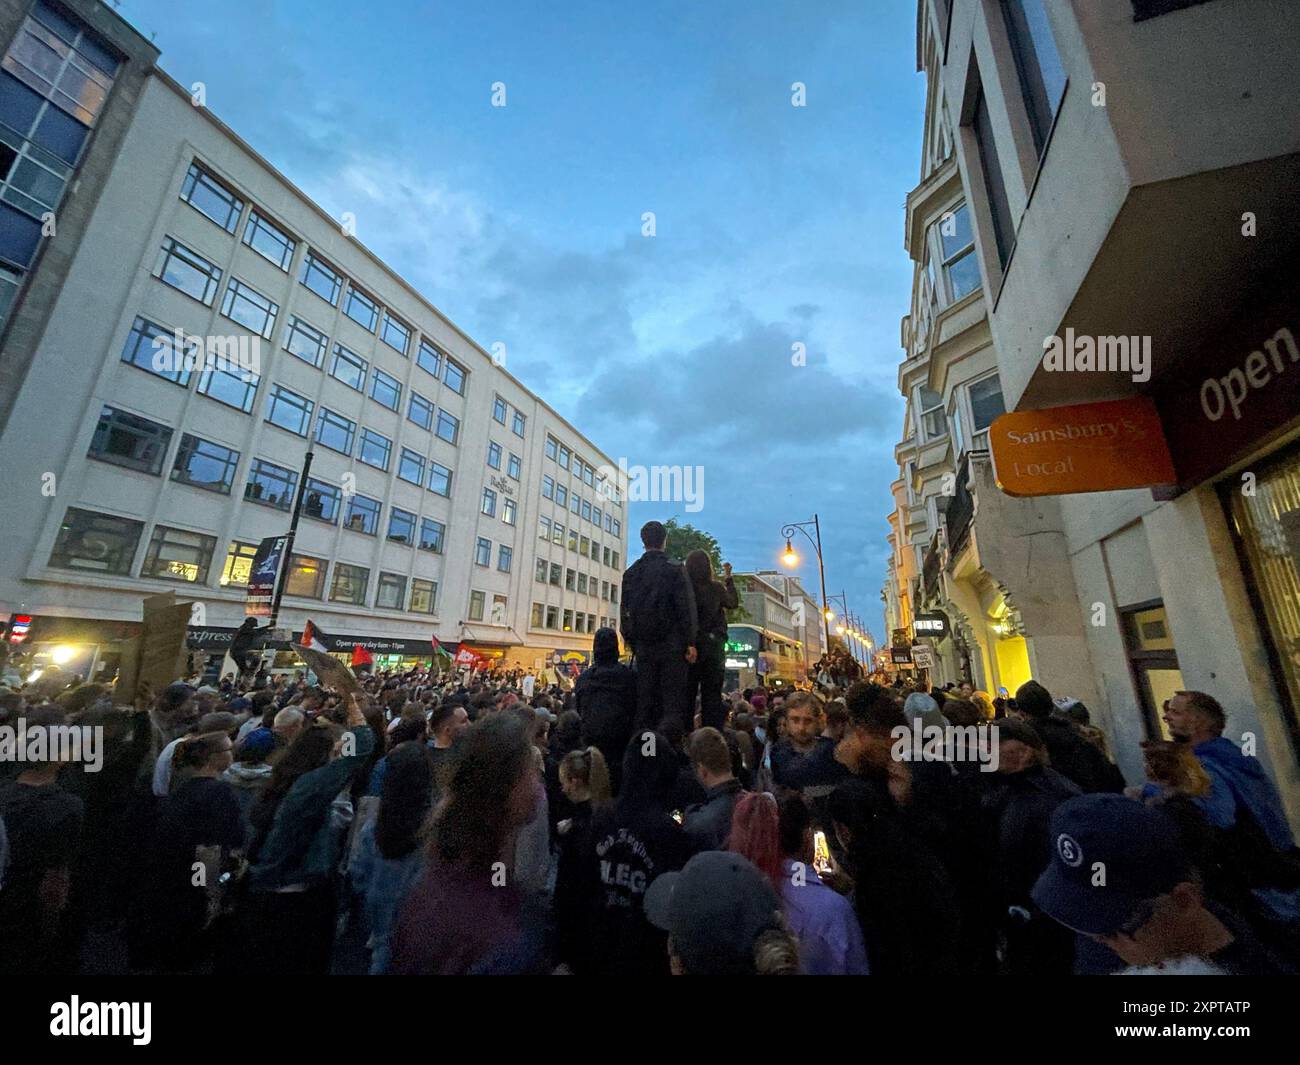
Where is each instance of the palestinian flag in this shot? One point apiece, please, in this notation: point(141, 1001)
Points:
point(315, 638)
point(438, 649)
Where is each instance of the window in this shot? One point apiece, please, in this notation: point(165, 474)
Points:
point(396, 333)
point(424, 596)
point(210, 197)
point(613, 593)
point(401, 526)
point(153, 349)
point(575, 504)
point(420, 411)
point(100, 543)
point(204, 464)
point(595, 551)
point(494, 456)
point(239, 564)
point(335, 431)
point(509, 510)
point(585, 547)
point(604, 589)
point(985, 405)
point(505, 556)
point(129, 440)
point(573, 539)
point(517, 425)
point(361, 309)
point(187, 271)
point(570, 580)
point(582, 584)
point(391, 593)
point(604, 556)
point(476, 606)
point(349, 367)
point(568, 621)
point(561, 495)
point(552, 617)
point(306, 577)
point(932, 417)
point(455, 377)
point(288, 410)
point(595, 517)
point(613, 560)
point(499, 410)
point(1003, 229)
point(589, 476)
point(448, 426)
point(551, 447)
point(564, 457)
point(535, 619)
point(513, 466)
point(557, 533)
point(271, 485)
point(548, 487)
point(386, 390)
point(375, 449)
point(349, 585)
point(957, 247)
point(618, 528)
point(1042, 75)
point(489, 504)
point(544, 528)
point(248, 307)
point(431, 535)
point(235, 388)
point(482, 551)
point(555, 574)
point(410, 466)
point(178, 555)
point(321, 501)
point(439, 479)
point(306, 341)
point(63, 62)
point(428, 358)
point(498, 615)
point(586, 510)
point(268, 240)
point(321, 278)
point(539, 573)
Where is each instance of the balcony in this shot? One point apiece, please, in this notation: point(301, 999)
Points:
point(930, 570)
point(961, 510)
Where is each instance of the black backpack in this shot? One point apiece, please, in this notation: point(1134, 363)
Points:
point(649, 604)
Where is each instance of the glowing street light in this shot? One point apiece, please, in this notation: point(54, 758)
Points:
point(791, 556)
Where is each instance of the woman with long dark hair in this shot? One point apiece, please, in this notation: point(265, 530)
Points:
point(713, 599)
point(464, 914)
point(390, 849)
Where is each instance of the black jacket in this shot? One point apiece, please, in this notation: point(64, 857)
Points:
point(652, 576)
point(708, 825)
point(712, 601)
point(1076, 757)
point(605, 696)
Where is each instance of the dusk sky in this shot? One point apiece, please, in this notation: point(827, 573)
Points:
point(776, 224)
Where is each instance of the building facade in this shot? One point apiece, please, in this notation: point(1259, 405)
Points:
point(212, 328)
point(1130, 168)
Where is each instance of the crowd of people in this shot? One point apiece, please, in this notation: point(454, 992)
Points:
point(642, 822)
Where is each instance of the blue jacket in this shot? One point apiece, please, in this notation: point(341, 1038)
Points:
point(1240, 781)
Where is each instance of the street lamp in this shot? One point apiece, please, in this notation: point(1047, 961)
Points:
point(791, 559)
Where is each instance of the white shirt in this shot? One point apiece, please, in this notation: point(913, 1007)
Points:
point(162, 772)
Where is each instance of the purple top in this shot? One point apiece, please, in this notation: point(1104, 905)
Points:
point(830, 940)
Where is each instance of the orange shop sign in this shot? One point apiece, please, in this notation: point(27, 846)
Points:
point(1091, 447)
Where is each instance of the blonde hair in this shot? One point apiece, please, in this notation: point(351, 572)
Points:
point(587, 766)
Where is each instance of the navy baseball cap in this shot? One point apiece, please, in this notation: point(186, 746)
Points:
point(715, 908)
point(1109, 855)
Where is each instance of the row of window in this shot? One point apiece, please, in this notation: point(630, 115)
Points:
point(550, 617)
point(514, 464)
point(579, 506)
point(550, 573)
point(581, 469)
point(217, 201)
point(499, 411)
point(583, 545)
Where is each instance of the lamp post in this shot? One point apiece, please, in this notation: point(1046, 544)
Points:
point(791, 558)
point(847, 630)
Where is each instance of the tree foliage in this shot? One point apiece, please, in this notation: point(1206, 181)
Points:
point(684, 538)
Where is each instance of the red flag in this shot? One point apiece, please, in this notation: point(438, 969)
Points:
point(360, 656)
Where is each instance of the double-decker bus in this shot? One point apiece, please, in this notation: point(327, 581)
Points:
point(754, 653)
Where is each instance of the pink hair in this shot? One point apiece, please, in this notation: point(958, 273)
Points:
point(755, 833)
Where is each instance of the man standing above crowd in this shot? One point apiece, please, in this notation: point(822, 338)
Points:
point(659, 624)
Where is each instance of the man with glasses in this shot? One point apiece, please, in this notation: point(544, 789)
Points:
point(1119, 876)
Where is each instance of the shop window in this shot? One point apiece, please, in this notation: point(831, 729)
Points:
point(1153, 661)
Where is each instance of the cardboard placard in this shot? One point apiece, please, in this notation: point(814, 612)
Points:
point(330, 672)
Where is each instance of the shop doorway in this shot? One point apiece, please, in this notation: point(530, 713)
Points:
point(1153, 662)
